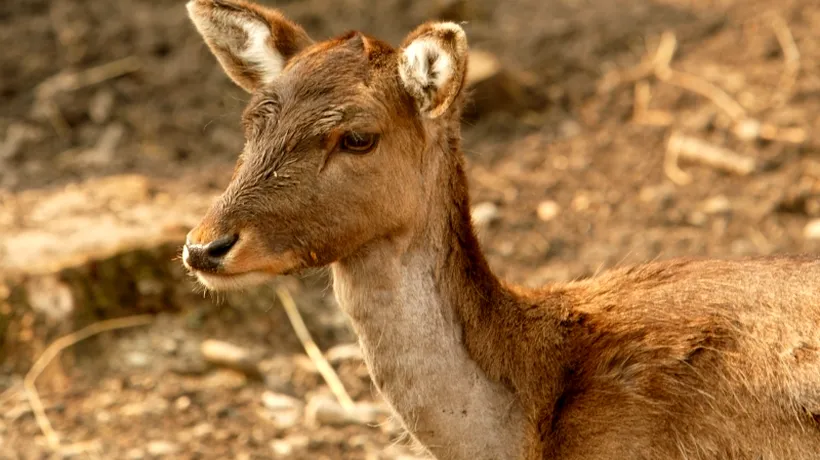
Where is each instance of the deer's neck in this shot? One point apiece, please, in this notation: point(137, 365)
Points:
point(415, 302)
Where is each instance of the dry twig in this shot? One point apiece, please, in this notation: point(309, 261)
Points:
point(53, 350)
point(791, 57)
point(743, 126)
point(46, 90)
point(689, 148)
point(642, 114)
point(313, 351)
point(91, 76)
point(692, 83)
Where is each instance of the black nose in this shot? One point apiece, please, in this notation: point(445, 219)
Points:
point(217, 248)
point(208, 256)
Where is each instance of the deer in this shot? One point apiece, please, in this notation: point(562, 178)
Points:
point(353, 160)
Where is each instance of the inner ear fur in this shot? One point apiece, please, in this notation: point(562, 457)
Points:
point(251, 42)
point(433, 66)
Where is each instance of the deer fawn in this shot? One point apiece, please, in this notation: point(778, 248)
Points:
point(353, 160)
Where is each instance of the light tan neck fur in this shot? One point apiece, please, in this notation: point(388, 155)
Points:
point(399, 294)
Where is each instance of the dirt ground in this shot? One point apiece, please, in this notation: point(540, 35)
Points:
point(577, 182)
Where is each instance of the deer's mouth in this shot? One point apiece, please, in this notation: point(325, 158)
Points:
point(232, 281)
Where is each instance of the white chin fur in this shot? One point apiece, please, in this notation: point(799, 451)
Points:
point(232, 282)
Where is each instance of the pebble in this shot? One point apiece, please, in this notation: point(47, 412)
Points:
point(548, 210)
point(345, 352)
point(182, 403)
point(281, 448)
point(812, 230)
point(160, 448)
point(202, 430)
point(152, 405)
point(169, 345)
point(325, 410)
point(278, 402)
point(229, 355)
point(506, 248)
point(485, 213)
point(717, 205)
point(569, 128)
point(697, 219)
point(581, 202)
point(285, 447)
point(285, 411)
point(137, 359)
point(135, 454)
point(662, 194)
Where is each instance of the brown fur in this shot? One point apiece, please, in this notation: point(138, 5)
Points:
point(682, 359)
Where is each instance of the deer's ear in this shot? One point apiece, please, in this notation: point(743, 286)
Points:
point(252, 43)
point(433, 65)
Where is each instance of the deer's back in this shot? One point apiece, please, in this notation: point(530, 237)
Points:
point(694, 359)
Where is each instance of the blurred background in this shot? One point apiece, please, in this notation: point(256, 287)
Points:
point(599, 133)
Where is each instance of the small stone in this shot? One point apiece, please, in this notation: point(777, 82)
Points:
point(345, 352)
point(506, 248)
point(285, 448)
point(182, 403)
point(279, 402)
point(169, 345)
point(812, 230)
point(485, 213)
point(103, 416)
point(548, 210)
point(161, 448)
point(135, 454)
point(661, 195)
point(299, 441)
point(358, 441)
point(226, 379)
point(137, 359)
point(231, 356)
point(569, 128)
point(717, 205)
point(581, 202)
point(697, 219)
point(324, 410)
point(285, 411)
point(152, 405)
point(202, 430)
point(281, 448)
point(747, 129)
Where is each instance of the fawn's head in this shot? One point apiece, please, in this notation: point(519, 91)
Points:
point(335, 134)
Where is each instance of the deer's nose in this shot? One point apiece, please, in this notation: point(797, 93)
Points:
point(208, 256)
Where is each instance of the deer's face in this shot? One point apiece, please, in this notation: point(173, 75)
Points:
point(334, 137)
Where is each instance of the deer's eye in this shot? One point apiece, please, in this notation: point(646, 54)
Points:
point(358, 142)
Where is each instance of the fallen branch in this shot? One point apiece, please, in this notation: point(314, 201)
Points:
point(642, 114)
point(695, 84)
point(696, 150)
point(791, 57)
point(91, 76)
point(743, 127)
point(231, 356)
point(313, 351)
point(52, 351)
